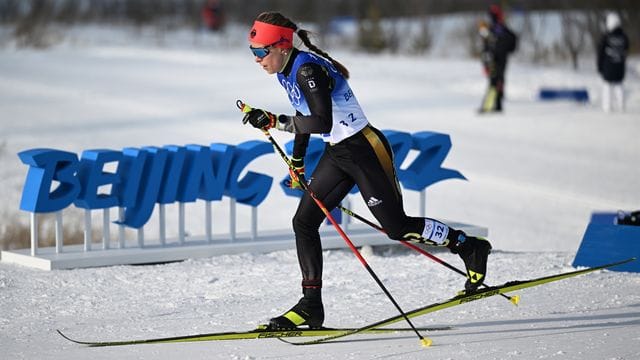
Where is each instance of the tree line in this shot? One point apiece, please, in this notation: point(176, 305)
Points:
point(144, 11)
point(582, 20)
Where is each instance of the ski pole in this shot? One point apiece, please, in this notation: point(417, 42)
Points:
point(424, 341)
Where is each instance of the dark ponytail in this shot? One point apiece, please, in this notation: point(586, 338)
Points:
point(275, 18)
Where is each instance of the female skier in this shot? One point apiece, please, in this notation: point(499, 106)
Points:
point(356, 153)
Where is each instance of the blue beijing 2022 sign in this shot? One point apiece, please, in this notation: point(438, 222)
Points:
point(162, 175)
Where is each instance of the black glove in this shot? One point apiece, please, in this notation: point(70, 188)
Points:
point(260, 119)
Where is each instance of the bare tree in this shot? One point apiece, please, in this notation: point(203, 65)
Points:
point(471, 36)
point(594, 24)
point(371, 36)
point(424, 39)
point(573, 35)
point(530, 34)
point(31, 30)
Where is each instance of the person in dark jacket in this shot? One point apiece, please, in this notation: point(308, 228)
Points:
point(498, 42)
point(612, 55)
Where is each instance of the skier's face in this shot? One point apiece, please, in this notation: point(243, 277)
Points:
point(269, 57)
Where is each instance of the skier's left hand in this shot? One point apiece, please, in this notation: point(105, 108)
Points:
point(297, 176)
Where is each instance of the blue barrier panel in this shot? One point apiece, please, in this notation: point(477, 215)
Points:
point(605, 242)
point(579, 95)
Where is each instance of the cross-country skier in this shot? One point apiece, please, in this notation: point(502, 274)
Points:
point(356, 153)
point(498, 42)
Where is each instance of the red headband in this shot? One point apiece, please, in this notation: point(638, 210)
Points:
point(268, 34)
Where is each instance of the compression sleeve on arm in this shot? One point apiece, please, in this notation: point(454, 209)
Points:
point(300, 144)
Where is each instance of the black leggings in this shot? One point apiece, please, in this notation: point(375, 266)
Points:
point(365, 159)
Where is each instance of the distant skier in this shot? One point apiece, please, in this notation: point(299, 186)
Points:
point(498, 42)
point(213, 15)
point(612, 56)
point(356, 153)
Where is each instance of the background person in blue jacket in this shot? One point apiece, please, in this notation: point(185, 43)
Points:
point(612, 56)
point(356, 153)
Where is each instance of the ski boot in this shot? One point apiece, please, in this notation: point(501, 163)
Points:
point(308, 311)
point(474, 251)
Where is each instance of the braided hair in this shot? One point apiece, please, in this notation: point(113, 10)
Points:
point(275, 18)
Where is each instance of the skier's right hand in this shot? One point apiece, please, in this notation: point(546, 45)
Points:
point(260, 119)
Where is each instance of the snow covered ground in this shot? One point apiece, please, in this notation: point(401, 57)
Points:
point(536, 173)
point(591, 317)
